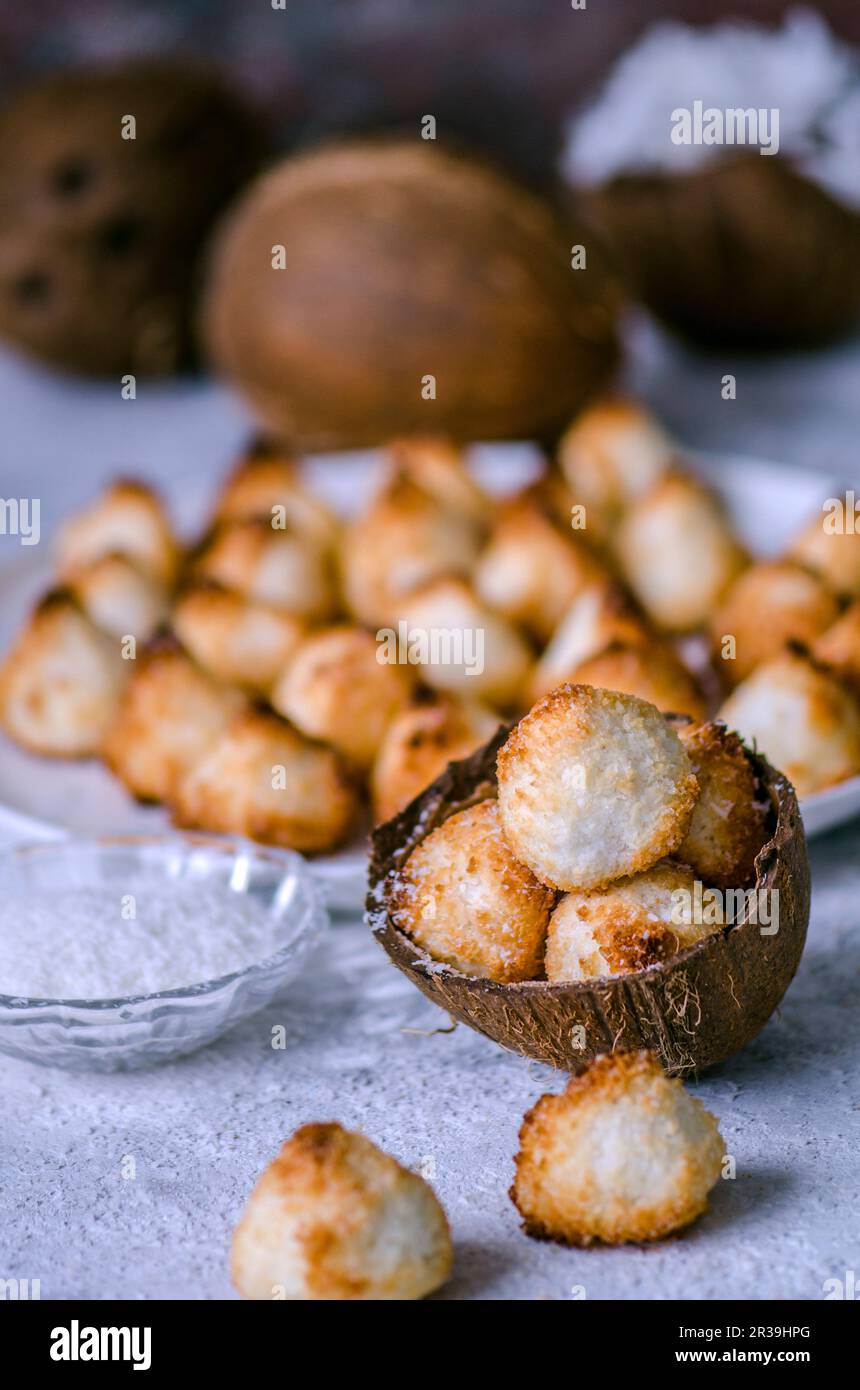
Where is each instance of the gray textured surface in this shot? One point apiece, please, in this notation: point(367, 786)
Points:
point(361, 1042)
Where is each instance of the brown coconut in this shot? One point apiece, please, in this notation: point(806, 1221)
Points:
point(693, 1010)
point(742, 252)
point(403, 261)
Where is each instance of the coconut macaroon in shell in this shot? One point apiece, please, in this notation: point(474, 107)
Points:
point(464, 898)
point(677, 552)
point(652, 671)
point(593, 786)
point(802, 716)
point(611, 455)
point(261, 778)
point(623, 1154)
point(128, 519)
point(334, 688)
point(729, 824)
point(270, 565)
point(61, 681)
point(601, 615)
point(237, 640)
point(479, 654)
point(419, 743)
point(830, 545)
point(631, 924)
point(166, 717)
point(771, 603)
point(335, 1218)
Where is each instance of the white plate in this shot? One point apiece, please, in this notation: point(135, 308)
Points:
point(768, 503)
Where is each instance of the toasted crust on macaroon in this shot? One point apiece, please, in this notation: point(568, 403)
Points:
point(335, 1218)
point(61, 681)
point(128, 519)
point(623, 1154)
point(593, 786)
point(237, 640)
point(465, 899)
point(653, 672)
point(266, 485)
point(631, 924)
point(729, 824)
point(283, 567)
point(167, 716)
point(771, 603)
point(419, 743)
point(437, 467)
point(261, 778)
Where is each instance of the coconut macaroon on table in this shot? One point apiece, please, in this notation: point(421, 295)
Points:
point(129, 1185)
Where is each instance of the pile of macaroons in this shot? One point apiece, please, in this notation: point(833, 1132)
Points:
point(241, 682)
point(610, 822)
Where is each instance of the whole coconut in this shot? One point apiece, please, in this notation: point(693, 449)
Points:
point(100, 234)
point(376, 288)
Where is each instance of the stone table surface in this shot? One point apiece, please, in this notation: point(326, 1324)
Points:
point(365, 1048)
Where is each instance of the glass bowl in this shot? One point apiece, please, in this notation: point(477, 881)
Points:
point(119, 1034)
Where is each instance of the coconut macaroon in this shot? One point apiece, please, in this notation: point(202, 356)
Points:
point(128, 519)
point(270, 565)
point(802, 716)
point(623, 1154)
point(601, 615)
point(465, 898)
point(611, 455)
point(437, 467)
point(119, 597)
point(652, 672)
point(335, 1218)
point(336, 689)
point(839, 646)
point(729, 824)
point(593, 786)
point(261, 778)
point(167, 716)
point(830, 545)
point(404, 540)
point(267, 485)
point(462, 646)
point(677, 552)
point(237, 640)
point(771, 603)
point(633, 923)
point(530, 572)
point(419, 743)
point(61, 681)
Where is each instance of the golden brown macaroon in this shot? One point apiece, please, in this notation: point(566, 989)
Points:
point(261, 778)
point(436, 465)
point(336, 689)
point(530, 572)
point(167, 716)
point(404, 540)
point(623, 1154)
point(677, 552)
point(729, 824)
point(611, 455)
point(839, 645)
point(830, 545)
point(119, 597)
point(270, 565)
point(601, 615)
point(593, 786)
point(61, 681)
point(771, 603)
point(419, 743)
point(267, 485)
point(237, 640)
point(462, 647)
point(802, 717)
point(629, 925)
point(335, 1218)
point(652, 671)
point(465, 898)
point(128, 519)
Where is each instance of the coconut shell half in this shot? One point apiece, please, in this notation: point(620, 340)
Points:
point(692, 1011)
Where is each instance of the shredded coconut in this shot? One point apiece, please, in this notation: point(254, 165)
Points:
point(800, 69)
point(85, 944)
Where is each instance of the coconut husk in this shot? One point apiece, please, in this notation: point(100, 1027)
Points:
point(743, 252)
point(693, 1011)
